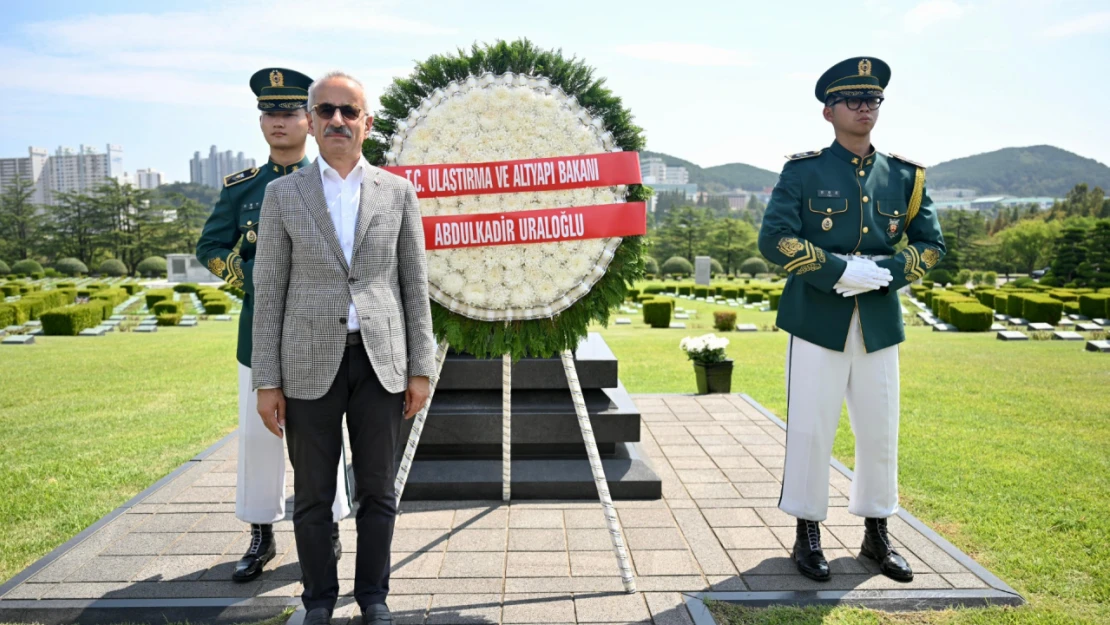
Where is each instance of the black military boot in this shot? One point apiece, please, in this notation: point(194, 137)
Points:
point(876, 545)
point(336, 546)
point(261, 551)
point(808, 556)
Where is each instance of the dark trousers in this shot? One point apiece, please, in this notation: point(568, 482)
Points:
point(314, 432)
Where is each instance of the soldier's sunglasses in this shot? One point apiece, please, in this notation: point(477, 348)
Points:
point(853, 103)
point(350, 112)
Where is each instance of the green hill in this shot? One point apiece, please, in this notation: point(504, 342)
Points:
point(1035, 171)
point(721, 178)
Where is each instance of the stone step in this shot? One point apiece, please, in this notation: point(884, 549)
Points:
point(595, 362)
point(465, 420)
point(629, 475)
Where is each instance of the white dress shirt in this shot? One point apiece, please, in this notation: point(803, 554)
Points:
point(343, 196)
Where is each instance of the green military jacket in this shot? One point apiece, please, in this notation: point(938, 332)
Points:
point(235, 220)
point(834, 202)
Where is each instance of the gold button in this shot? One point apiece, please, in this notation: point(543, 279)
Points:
point(895, 213)
point(861, 173)
point(866, 199)
point(857, 253)
point(828, 210)
point(249, 222)
point(865, 229)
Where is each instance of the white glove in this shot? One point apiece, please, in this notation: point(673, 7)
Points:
point(860, 276)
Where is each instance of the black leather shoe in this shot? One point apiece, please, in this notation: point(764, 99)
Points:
point(319, 616)
point(377, 614)
point(876, 545)
point(336, 546)
point(261, 551)
point(808, 556)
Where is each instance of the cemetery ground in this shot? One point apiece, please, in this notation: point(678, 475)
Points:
point(1005, 447)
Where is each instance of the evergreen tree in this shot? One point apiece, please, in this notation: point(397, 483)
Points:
point(1070, 252)
point(1094, 271)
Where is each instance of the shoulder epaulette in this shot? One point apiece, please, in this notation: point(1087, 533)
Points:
point(800, 155)
point(906, 160)
point(234, 179)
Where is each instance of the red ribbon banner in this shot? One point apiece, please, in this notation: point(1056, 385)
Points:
point(534, 174)
point(538, 226)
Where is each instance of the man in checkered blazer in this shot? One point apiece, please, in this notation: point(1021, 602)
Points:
point(342, 325)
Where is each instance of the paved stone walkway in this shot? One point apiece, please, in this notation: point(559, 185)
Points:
point(717, 528)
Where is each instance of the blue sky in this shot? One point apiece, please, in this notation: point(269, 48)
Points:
point(712, 82)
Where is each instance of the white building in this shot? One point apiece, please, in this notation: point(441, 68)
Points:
point(148, 178)
point(28, 168)
point(211, 171)
point(654, 171)
point(65, 171)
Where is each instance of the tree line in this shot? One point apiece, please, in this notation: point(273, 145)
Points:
point(114, 221)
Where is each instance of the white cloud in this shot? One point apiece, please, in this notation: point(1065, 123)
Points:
point(686, 54)
point(202, 57)
point(1085, 25)
point(932, 12)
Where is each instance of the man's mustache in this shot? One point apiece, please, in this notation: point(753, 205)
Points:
point(338, 130)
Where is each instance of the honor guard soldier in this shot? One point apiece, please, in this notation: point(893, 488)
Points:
point(834, 222)
point(260, 487)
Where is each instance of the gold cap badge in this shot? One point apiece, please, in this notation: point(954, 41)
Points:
point(277, 80)
point(865, 67)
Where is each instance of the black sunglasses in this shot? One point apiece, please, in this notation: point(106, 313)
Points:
point(350, 112)
point(853, 103)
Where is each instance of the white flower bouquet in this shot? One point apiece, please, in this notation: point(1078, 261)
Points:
point(706, 349)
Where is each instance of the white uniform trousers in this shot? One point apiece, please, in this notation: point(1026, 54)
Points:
point(817, 382)
point(260, 488)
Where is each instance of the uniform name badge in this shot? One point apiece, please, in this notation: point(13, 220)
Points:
point(892, 229)
point(826, 224)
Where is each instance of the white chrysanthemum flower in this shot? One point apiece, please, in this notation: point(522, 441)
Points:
point(546, 291)
point(497, 298)
point(579, 264)
point(534, 275)
point(474, 293)
point(453, 283)
point(437, 268)
point(513, 276)
point(523, 296)
point(476, 272)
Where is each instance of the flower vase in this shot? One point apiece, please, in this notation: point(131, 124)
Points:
point(714, 377)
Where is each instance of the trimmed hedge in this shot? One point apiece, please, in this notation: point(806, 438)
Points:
point(168, 319)
point(10, 289)
point(942, 302)
point(1015, 304)
point(730, 292)
point(113, 267)
point(1037, 308)
point(26, 267)
point(773, 299)
point(186, 287)
point(684, 289)
point(131, 287)
point(69, 321)
point(157, 295)
point(8, 315)
point(1001, 302)
point(724, 320)
point(657, 312)
point(114, 295)
point(221, 308)
point(1095, 305)
point(754, 297)
point(151, 266)
point(986, 298)
point(701, 291)
point(655, 289)
point(970, 316)
point(71, 267)
point(632, 294)
point(1064, 295)
point(4, 268)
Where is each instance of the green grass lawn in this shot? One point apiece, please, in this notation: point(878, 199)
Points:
point(89, 422)
point(1005, 450)
point(1005, 446)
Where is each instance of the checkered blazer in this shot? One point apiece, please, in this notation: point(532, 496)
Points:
point(303, 286)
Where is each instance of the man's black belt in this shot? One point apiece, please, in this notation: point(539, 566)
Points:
point(354, 338)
